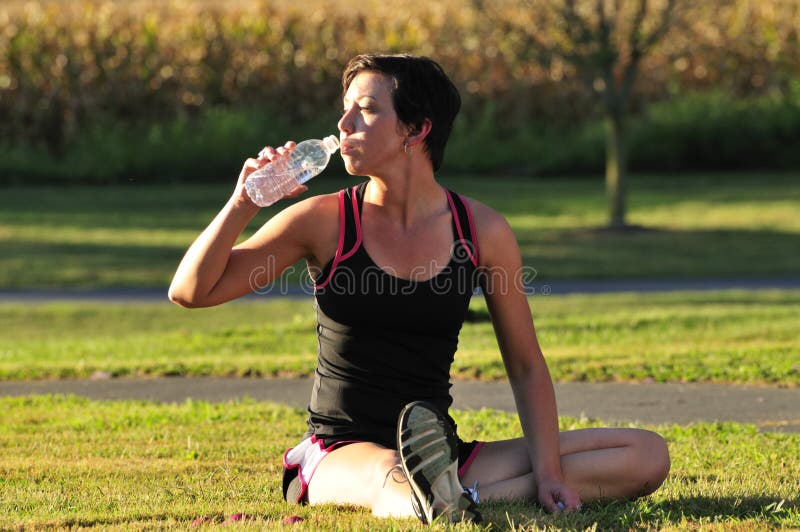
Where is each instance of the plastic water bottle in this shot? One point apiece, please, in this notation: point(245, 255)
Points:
point(278, 178)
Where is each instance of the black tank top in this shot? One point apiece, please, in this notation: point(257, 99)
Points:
point(385, 341)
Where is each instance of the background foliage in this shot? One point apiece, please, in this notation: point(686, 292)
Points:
point(96, 90)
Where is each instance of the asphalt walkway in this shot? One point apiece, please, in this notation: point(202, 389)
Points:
point(544, 287)
point(771, 409)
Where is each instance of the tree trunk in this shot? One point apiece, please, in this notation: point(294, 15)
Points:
point(616, 169)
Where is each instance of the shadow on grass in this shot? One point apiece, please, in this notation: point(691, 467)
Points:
point(478, 315)
point(168, 207)
point(763, 508)
point(47, 265)
point(691, 512)
point(654, 253)
point(554, 254)
point(647, 514)
point(178, 207)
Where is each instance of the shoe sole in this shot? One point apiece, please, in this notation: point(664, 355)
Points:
point(429, 457)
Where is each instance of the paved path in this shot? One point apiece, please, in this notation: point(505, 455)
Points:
point(772, 409)
point(768, 408)
point(121, 295)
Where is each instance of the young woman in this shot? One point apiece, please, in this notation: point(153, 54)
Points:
point(395, 261)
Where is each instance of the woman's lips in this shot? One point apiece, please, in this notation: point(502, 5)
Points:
point(346, 147)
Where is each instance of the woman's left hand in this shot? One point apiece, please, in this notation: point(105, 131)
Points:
point(557, 497)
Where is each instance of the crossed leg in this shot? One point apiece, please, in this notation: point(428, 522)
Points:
point(599, 463)
point(605, 463)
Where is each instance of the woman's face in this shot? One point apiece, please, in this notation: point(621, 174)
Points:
point(371, 136)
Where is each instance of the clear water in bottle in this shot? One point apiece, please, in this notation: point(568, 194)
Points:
point(275, 180)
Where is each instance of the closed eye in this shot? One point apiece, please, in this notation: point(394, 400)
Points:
point(365, 109)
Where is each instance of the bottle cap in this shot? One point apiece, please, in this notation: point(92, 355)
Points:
point(331, 143)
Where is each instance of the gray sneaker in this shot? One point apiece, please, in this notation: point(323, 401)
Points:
point(428, 449)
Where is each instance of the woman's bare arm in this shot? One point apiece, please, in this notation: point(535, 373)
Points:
point(215, 270)
point(502, 283)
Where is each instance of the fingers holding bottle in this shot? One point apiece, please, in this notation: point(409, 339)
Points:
point(271, 154)
point(267, 155)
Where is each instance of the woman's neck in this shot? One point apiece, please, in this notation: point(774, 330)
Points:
point(405, 202)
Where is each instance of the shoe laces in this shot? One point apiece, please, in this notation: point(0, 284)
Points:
point(472, 493)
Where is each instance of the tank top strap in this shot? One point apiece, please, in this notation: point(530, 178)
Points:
point(351, 207)
point(358, 192)
point(464, 226)
point(463, 221)
point(349, 233)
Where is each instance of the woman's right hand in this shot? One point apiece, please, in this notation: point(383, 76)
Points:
point(265, 156)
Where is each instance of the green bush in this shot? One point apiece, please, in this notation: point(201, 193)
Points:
point(713, 131)
point(99, 91)
point(699, 132)
point(208, 146)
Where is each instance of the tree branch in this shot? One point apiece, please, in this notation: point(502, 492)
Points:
point(576, 26)
point(607, 55)
point(604, 26)
point(662, 28)
point(639, 46)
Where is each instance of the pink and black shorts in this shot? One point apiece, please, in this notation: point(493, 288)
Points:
point(301, 461)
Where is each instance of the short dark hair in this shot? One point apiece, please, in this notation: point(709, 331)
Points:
point(420, 90)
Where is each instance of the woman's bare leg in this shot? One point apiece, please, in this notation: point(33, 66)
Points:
point(598, 463)
point(363, 474)
point(606, 463)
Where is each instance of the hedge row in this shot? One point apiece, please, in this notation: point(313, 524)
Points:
point(63, 63)
point(699, 132)
point(102, 89)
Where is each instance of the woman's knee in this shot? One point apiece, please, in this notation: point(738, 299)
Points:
point(386, 467)
point(654, 461)
point(352, 474)
point(391, 490)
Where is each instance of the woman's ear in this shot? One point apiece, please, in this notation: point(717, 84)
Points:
point(417, 135)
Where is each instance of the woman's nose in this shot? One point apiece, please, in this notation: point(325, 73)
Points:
point(345, 124)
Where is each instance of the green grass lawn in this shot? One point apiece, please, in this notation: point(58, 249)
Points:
point(730, 336)
point(698, 226)
point(71, 462)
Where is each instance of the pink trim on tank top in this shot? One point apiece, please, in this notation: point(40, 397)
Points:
point(472, 230)
point(357, 217)
point(472, 257)
point(340, 256)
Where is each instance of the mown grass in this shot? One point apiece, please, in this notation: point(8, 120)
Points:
point(72, 462)
point(698, 226)
point(731, 336)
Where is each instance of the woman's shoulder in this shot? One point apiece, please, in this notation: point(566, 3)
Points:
point(486, 218)
point(493, 231)
point(312, 218)
point(312, 223)
point(314, 207)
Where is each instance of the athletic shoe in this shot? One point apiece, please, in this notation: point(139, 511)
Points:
point(429, 456)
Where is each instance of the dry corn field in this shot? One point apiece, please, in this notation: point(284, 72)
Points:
point(62, 62)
